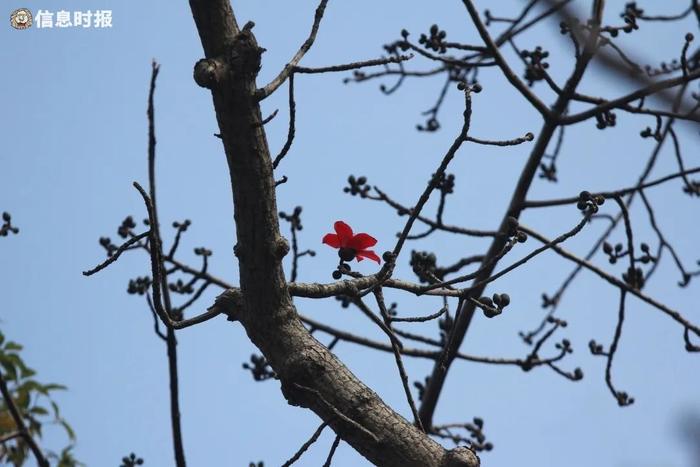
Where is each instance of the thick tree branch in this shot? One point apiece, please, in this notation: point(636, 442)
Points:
point(309, 374)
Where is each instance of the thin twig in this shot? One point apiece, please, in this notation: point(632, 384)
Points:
point(638, 94)
point(419, 319)
point(353, 65)
point(329, 459)
point(297, 455)
point(610, 194)
point(673, 314)
point(115, 255)
point(292, 127)
point(337, 412)
point(379, 296)
point(621, 397)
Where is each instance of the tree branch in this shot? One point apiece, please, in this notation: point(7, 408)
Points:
point(289, 67)
point(309, 374)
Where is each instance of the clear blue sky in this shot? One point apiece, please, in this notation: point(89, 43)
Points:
point(74, 138)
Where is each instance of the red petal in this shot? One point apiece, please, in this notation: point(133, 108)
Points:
point(362, 241)
point(344, 232)
point(368, 254)
point(331, 240)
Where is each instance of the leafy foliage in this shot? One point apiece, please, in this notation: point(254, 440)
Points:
point(36, 406)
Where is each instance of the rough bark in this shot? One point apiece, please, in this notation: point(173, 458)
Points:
point(310, 375)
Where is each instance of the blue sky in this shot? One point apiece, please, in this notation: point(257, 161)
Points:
point(74, 128)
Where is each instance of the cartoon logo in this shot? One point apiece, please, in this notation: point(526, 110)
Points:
point(21, 18)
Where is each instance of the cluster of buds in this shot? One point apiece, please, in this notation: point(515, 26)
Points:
point(469, 87)
point(623, 398)
point(536, 64)
point(564, 346)
point(634, 277)
point(513, 232)
point(444, 183)
point(476, 431)
point(180, 287)
point(431, 125)
point(436, 40)
point(139, 286)
point(182, 226)
point(295, 217)
point(605, 119)
point(126, 228)
point(259, 368)
point(7, 226)
point(132, 460)
point(494, 306)
point(589, 203)
point(107, 244)
point(201, 251)
point(648, 133)
point(549, 302)
point(629, 15)
point(596, 348)
point(343, 267)
point(692, 188)
point(402, 44)
point(421, 387)
point(424, 265)
point(616, 252)
point(357, 186)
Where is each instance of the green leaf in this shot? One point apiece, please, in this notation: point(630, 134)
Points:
point(68, 428)
point(13, 346)
point(9, 369)
point(38, 410)
point(22, 399)
point(55, 387)
point(31, 385)
point(14, 360)
point(56, 412)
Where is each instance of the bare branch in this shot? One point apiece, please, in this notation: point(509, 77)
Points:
point(503, 65)
point(297, 455)
point(289, 67)
point(638, 94)
point(353, 65)
point(115, 256)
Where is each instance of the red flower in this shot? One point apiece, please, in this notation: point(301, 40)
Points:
point(351, 246)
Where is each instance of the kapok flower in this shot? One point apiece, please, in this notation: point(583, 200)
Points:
point(351, 245)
